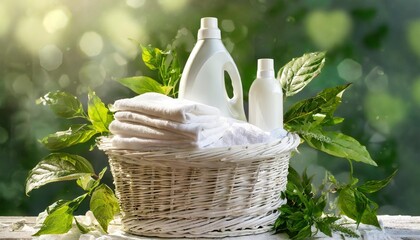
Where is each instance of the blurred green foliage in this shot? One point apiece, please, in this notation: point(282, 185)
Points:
point(76, 45)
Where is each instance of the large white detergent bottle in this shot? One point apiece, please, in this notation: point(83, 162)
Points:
point(266, 98)
point(203, 78)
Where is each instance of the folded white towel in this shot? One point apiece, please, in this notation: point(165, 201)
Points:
point(193, 130)
point(164, 107)
point(237, 133)
point(134, 143)
point(129, 129)
point(134, 130)
point(153, 120)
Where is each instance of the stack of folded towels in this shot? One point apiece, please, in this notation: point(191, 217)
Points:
point(153, 120)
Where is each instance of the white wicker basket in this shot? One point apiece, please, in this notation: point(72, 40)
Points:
point(201, 192)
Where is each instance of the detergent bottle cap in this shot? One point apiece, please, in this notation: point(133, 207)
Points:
point(265, 68)
point(208, 28)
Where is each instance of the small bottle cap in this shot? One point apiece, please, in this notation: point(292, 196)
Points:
point(265, 68)
point(208, 28)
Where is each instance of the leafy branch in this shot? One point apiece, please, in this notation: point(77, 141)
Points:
point(61, 166)
point(306, 207)
point(311, 118)
point(167, 66)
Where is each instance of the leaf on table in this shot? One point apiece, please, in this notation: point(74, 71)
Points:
point(104, 205)
point(57, 167)
point(143, 84)
point(324, 228)
point(58, 221)
point(303, 233)
point(352, 204)
point(59, 217)
point(374, 185)
point(361, 203)
point(337, 144)
point(318, 110)
point(345, 230)
point(76, 134)
point(82, 227)
point(99, 114)
point(297, 73)
point(63, 104)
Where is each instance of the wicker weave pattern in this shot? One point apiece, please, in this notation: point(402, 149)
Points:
point(201, 193)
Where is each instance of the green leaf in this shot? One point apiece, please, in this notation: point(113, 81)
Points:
point(324, 228)
point(60, 216)
point(143, 84)
point(361, 202)
point(99, 114)
point(347, 231)
point(152, 57)
point(57, 222)
point(57, 167)
point(297, 73)
point(317, 110)
point(293, 177)
point(88, 183)
point(63, 104)
point(348, 205)
point(76, 134)
point(303, 233)
point(337, 144)
point(83, 228)
point(104, 205)
point(370, 217)
point(374, 186)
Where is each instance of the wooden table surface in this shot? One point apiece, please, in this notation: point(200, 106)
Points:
point(394, 227)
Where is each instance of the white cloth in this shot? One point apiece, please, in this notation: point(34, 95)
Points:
point(153, 120)
point(194, 130)
point(135, 130)
point(135, 143)
point(236, 133)
point(241, 133)
point(164, 107)
point(162, 137)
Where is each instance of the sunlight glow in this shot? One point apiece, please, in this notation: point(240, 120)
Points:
point(377, 80)
point(135, 3)
point(384, 111)
point(120, 27)
point(91, 44)
point(32, 35)
point(4, 19)
point(55, 20)
point(171, 5)
point(349, 70)
point(328, 29)
point(22, 84)
point(50, 57)
point(413, 36)
point(228, 25)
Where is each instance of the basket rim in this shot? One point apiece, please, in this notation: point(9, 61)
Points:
point(287, 143)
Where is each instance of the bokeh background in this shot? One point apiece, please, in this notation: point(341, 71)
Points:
point(76, 45)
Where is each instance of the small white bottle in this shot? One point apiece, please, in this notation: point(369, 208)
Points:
point(203, 75)
point(266, 98)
